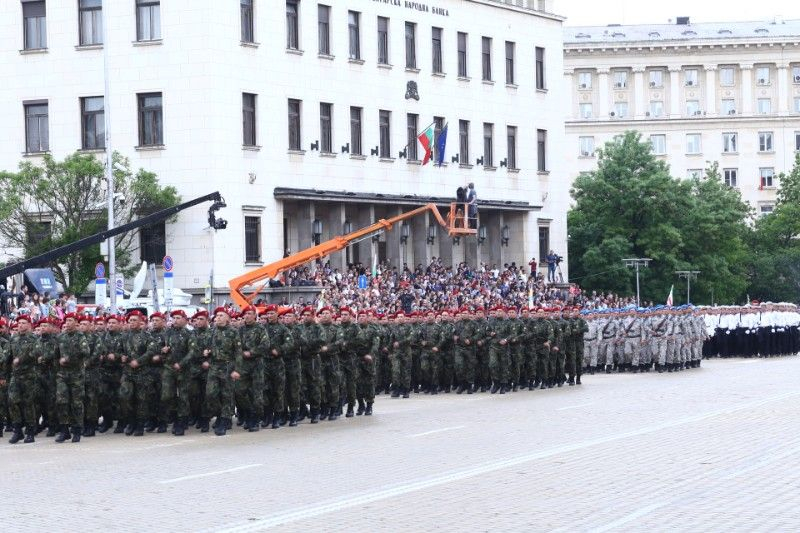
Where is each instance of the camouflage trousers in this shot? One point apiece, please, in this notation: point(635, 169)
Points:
point(447, 369)
point(174, 395)
point(483, 374)
point(331, 381)
point(401, 369)
point(91, 395)
point(591, 352)
point(248, 390)
point(498, 363)
point(219, 390)
point(465, 364)
point(349, 368)
point(275, 384)
point(311, 369)
point(430, 368)
point(46, 404)
point(365, 384)
point(383, 370)
point(69, 397)
point(294, 382)
point(109, 398)
point(137, 396)
point(515, 363)
point(22, 392)
point(197, 392)
point(542, 363)
point(4, 416)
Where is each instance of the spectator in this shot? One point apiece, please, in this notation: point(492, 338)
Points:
point(552, 260)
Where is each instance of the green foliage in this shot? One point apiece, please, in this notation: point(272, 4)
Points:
point(58, 202)
point(631, 207)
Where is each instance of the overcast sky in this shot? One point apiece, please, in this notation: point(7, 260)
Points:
point(600, 13)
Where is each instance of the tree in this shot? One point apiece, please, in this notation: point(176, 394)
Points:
point(60, 202)
point(631, 207)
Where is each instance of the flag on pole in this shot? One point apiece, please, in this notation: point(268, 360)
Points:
point(441, 142)
point(426, 139)
point(669, 298)
point(530, 298)
point(321, 301)
point(374, 262)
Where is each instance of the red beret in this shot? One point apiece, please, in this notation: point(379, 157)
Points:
point(271, 308)
point(178, 312)
point(222, 310)
point(99, 320)
point(40, 322)
point(326, 308)
point(345, 310)
point(134, 313)
point(285, 311)
point(24, 318)
point(200, 313)
point(85, 318)
point(69, 315)
point(364, 312)
point(157, 315)
point(3, 322)
point(307, 309)
point(249, 309)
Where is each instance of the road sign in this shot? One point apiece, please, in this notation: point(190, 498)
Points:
point(168, 263)
point(100, 291)
point(119, 287)
point(362, 281)
point(99, 271)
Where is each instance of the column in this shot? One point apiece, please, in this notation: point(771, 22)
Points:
point(394, 251)
point(471, 250)
point(783, 88)
point(365, 217)
point(747, 88)
point(674, 92)
point(495, 236)
point(335, 220)
point(711, 90)
point(602, 93)
point(306, 213)
point(569, 92)
point(639, 104)
point(418, 241)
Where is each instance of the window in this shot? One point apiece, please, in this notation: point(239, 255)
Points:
point(728, 106)
point(93, 127)
point(292, 25)
point(355, 131)
point(729, 143)
point(694, 173)
point(153, 243)
point(411, 45)
point(488, 145)
point(246, 8)
point(620, 109)
point(620, 79)
point(37, 233)
point(90, 21)
point(326, 128)
point(656, 78)
point(438, 126)
point(544, 244)
point(511, 143)
point(762, 76)
point(690, 75)
point(324, 29)
point(584, 80)
point(151, 121)
point(765, 141)
point(34, 25)
point(294, 124)
point(729, 176)
point(486, 58)
point(797, 141)
point(656, 108)
point(412, 121)
point(354, 33)
point(252, 239)
point(436, 49)
point(797, 104)
point(463, 142)
point(692, 143)
point(37, 134)
point(767, 174)
point(540, 74)
point(383, 40)
point(248, 119)
point(587, 146)
point(384, 126)
point(510, 49)
point(541, 150)
point(726, 76)
point(658, 144)
point(693, 107)
point(462, 55)
point(148, 21)
point(766, 209)
point(795, 73)
point(585, 110)
point(764, 106)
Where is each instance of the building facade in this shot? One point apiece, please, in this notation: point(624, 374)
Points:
point(724, 92)
point(304, 115)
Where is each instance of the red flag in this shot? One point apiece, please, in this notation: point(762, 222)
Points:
point(426, 139)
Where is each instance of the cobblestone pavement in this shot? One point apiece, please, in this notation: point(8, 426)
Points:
point(712, 449)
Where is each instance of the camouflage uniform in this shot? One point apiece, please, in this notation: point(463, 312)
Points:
point(226, 346)
point(348, 358)
point(401, 359)
point(198, 376)
point(113, 342)
point(294, 373)
point(332, 337)
point(465, 362)
point(498, 333)
point(311, 365)
point(23, 385)
point(281, 341)
point(74, 350)
point(92, 383)
point(369, 341)
point(447, 354)
point(137, 389)
point(430, 364)
point(249, 388)
point(174, 405)
point(47, 380)
point(5, 369)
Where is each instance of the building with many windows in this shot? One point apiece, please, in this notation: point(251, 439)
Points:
point(305, 116)
point(725, 92)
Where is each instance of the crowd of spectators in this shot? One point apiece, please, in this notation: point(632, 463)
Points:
point(35, 305)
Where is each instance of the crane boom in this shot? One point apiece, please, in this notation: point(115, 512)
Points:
point(457, 224)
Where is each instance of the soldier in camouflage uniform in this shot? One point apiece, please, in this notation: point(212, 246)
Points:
point(482, 342)
point(464, 343)
point(310, 363)
point(199, 342)
point(74, 350)
point(111, 350)
point(401, 356)
point(515, 348)
point(291, 362)
point(447, 350)
point(92, 330)
point(137, 390)
point(174, 405)
point(329, 344)
point(578, 329)
point(430, 340)
point(48, 362)
point(348, 358)
point(5, 370)
point(369, 345)
point(249, 388)
point(23, 386)
point(498, 333)
point(383, 367)
point(280, 342)
point(221, 355)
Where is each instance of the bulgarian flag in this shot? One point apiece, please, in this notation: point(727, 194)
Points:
point(426, 139)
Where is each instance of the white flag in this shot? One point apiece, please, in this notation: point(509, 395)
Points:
point(669, 298)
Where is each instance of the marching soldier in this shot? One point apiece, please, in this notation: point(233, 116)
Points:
point(249, 388)
point(221, 355)
point(74, 350)
point(175, 377)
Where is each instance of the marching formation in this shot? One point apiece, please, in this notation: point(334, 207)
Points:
point(135, 374)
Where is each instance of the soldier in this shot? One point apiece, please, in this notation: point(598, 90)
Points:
point(22, 388)
point(48, 364)
point(430, 340)
point(281, 344)
point(249, 388)
point(483, 375)
point(463, 341)
point(92, 330)
point(136, 393)
point(199, 342)
point(348, 357)
point(631, 339)
point(5, 364)
point(225, 347)
point(590, 341)
point(369, 341)
point(112, 346)
point(310, 363)
point(329, 342)
point(578, 329)
point(515, 358)
point(74, 350)
point(544, 336)
point(497, 333)
point(527, 350)
point(404, 334)
point(291, 362)
point(174, 405)
point(608, 336)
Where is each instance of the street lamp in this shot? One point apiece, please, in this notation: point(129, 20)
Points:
point(481, 234)
point(405, 232)
point(431, 234)
point(689, 275)
point(636, 263)
point(348, 227)
point(504, 235)
point(316, 230)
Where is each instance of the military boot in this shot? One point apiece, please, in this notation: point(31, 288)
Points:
point(16, 434)
point(178, 428)
point(120, 427)
point(162, 427)
point(571, 380)
point(495, 388)
point(253, 424)
point(104, 426)
point(293, 419)
point(51, 431)
point(360, 407)
point(2, 425)
point(76, 434)
point(221, 428)
point(333, 415)
point(608, 369)
point(150, 426)
point(63, 434)
point(138, 430)
point(350, 413)
point(89, 430)
point(578, 380)
point(405, 393)
point(29, 435)
point(470, 388)
point(314, 416)
point(303, 413)
point(203, 423)
point(460, 389)
point(368, 410)
point(267, 421)
point(396, 392)
point(276, 421)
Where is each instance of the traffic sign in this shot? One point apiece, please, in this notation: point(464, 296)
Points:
point(99, 271)
point(168, 263)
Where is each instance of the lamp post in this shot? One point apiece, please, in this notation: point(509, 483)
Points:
point(505, 235)
point(689, 275)
point(112, 255)
point(431, 234)
point(316, 230)
point(636, 263)
point(481, 234)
